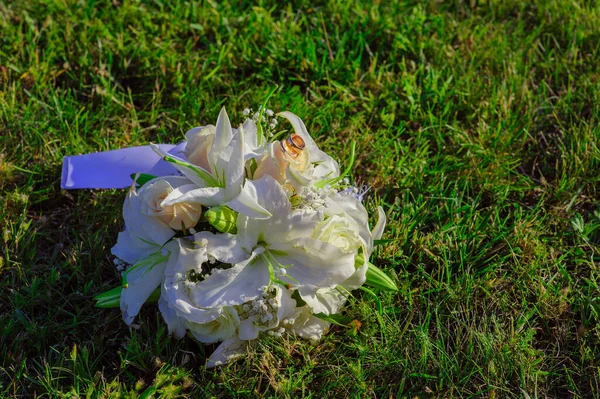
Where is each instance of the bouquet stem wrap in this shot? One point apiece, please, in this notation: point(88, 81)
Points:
point(112, 169)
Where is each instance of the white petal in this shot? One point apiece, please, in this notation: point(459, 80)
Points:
point(328, 301)
point(380, 226)
point(246, 203)
point(353, 210)
point(130, 249)
point(224, 247)
point(230, 163)
point(308, 326)
point(174, 196)
point(141, 283)
point(249, 328)
point(223, 136)
point(209, 196)
point(228, 351)
point(220, 329)
point(192, 172)
point(315, 265)
point(251, 147)
point(234, 286)
point(327, 166)
point(297, 179)
point(175, 290)
point(174, 323)
point(144, 227)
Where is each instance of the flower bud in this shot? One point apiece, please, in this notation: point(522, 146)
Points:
point(376, 278)
point(222, 218)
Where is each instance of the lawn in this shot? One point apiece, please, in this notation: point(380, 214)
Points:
point(476, 125)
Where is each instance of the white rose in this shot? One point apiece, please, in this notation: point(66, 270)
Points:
point(177, 216)
point(220, 329)
point(338, 231)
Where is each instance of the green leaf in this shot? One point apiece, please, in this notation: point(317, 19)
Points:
point(204, 175)
point(142, 178)
point(336, 319)
point(253, 165)
point(382, 242)
point(336, 180)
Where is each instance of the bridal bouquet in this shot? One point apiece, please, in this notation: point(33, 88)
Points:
point(255, 233)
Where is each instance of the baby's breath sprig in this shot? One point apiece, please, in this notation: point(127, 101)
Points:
point(265, 119)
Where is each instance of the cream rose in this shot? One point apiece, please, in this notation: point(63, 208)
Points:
point(281, 155)
point(199, 143)
point(177, 216)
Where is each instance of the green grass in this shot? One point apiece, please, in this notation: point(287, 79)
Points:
point(476, 123)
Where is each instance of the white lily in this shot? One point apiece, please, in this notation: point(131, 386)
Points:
point(277, 250)
point(177, 304)
point(325, 167)
point(223, 182)
point(200, 140)
point(266, 312)
point(229, 350)
point(296, 160)
point(141, 279)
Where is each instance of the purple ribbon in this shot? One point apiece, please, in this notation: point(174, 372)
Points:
point(112, 169)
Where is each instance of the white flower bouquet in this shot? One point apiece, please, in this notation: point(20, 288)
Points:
point(257, 233)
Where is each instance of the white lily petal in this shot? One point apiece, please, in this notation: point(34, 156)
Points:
point(316, 265)
point(228, 351)
point(174, 196)
point(142, 281)
point(327, 166)
point(143, 233)
point(208, 196)
point(131, 249)
point(223, 247)
point(230, 162)
point(192, 172)
point(308, 326)
point(251, 147)
point(331, 300)
point(327, 301)
point(175, 290)
point(234, 286)
point(380, 226)
point(246, 203)
point(220, 329)
point(248, 328)
point(223, 136)
point(174, 323)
